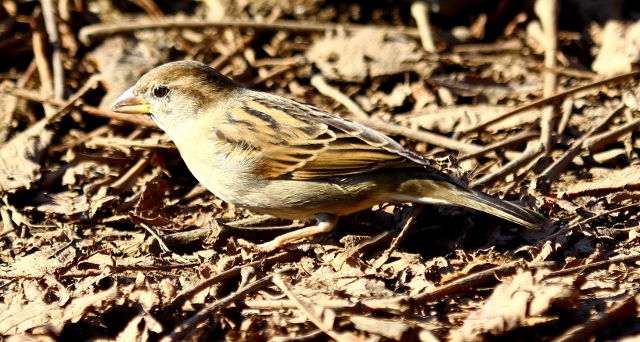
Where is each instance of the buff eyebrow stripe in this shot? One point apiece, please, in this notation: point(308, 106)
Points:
point(262, 116)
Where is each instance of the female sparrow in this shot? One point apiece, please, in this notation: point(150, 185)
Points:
point(280, 157)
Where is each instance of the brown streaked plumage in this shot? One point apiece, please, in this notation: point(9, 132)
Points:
point(280, 157)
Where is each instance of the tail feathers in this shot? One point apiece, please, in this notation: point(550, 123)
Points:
point(438, 190)
point(503, 209)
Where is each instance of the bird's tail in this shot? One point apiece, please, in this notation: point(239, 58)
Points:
point(503, 209)
point(440, 190)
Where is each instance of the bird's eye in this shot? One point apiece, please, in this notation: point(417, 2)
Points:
point(160, 91)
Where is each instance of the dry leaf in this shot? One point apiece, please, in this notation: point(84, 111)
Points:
point(20, 157)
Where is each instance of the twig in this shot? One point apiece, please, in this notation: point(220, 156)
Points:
point(43, 70)
point(150, 7)
point(552, 172)
point(235, 271)
point(398, 239)
point(272, 62)
point(583, 269)
point(223, 59)
point(503, 46)
point(325, 89)
point(122, 269)
point(547, 14)
point(634, 206)
point(56, 54)
point(92, 33)
point(36, 97)
point(567, 110)
point(271, 74)
point(161, 243)
point(420, 12)
point(422, 136)
point(363, 118)
point(625, 310)
point(533, 149)
point(9, 226)
point(516, 139)
point(473, 280)
point(123, 183)
point(187, 326)
point(75, 142)
point(321, 317)
point(599, 141)
point(477, 279)
point(550, 99)
point(124, 142)
point(401, 303)
point(91, 82)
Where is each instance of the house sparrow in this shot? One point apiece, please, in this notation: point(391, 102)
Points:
point(280, 157)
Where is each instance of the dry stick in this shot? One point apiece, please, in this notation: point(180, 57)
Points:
point(161, 243)
point(235, 271)
point(533, 150)
point(398, 239)
point(517, 178)
point(75, 142)
point(123, 183)
point(132, 119)
point(363, 118)
point(598, 142)
point(593, 218)
point(632, 155)
point(320, 319)
point(505, 46)
point(271, 74)
point(621, 259)
point(125, 142)
point(517, 138)
point(46, 89)
point(56, 54)
point(36, 97)
point(91, 82)
point(187, 326)
point(423, 136)
point(567, 110)
point(624, 311)
point(547, 13)
point(396, 305)
point(92, 33)
point(278, 62)
point(150, 7)
point(123, 269)
point(10, 109)
point(325, 89)
point(474, 280)
point(550, 99)
point(420, 12)
point(222, 60)
point(553, 171)
point(9, 226)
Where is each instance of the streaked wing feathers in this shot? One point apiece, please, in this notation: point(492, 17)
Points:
point(297, 141)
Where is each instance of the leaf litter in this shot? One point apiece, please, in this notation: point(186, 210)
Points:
point(106, 235)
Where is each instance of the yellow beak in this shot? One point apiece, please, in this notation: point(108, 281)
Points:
point(129, 103)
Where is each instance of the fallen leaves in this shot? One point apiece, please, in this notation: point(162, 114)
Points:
point(78, 183)
point(517, 302)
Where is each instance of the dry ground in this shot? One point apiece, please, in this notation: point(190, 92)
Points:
point(107, 236)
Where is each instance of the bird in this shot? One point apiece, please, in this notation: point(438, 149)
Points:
point(277, 156)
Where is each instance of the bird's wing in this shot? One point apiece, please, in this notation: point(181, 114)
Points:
point(298, 141)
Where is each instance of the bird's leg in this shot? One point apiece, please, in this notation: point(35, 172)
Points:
point(324, 224)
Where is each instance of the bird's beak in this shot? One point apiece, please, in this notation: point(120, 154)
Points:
point(129, 103)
